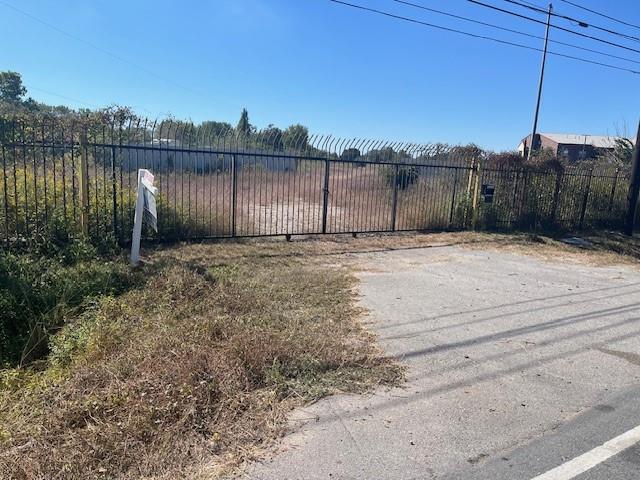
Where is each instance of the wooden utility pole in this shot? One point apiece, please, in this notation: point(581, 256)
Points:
point(634, 188)
point(533, 145)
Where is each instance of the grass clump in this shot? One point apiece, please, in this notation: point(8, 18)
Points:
point(189, 374)
point(40, 290)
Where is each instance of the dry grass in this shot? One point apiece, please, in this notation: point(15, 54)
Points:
point(605, 248)
point(193, 373)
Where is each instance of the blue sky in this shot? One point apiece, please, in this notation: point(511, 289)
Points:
point(337, 70)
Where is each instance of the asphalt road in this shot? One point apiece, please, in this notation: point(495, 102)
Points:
point(589, 430)
point(516, 366)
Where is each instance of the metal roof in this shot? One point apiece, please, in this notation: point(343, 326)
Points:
point(598, 141)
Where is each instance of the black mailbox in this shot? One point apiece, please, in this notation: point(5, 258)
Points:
point(487, 192)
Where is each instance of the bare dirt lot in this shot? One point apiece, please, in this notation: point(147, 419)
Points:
point(507, 342)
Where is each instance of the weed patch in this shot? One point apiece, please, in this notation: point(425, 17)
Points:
point(38, 294)
point(190, 374)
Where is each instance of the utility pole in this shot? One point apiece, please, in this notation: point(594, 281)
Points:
point(634, 188)
point(544, 61)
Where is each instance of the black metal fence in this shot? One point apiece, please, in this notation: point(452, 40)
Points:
point(64, 178)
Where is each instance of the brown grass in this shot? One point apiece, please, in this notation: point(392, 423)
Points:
point(605, 248)
point(193, 373)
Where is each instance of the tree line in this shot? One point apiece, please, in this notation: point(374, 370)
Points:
point(14, 101)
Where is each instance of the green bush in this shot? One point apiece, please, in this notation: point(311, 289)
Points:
point(403, 177)
point(41, 210)
point(463, 212)
point(38, 293)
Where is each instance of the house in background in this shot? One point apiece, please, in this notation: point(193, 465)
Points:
point(571, 147)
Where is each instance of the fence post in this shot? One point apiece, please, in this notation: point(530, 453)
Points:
point(453, 198)
point(613, 190)
point(325, 201)
point(394, 200)
point(634, 188)
point(556, 196)
point(512, 213)
point(476, 192)
point(84, 183)
point(114, 192)
point(469, 190)
point(585, 200)
point(523, 197)
point(470, 178)
point(234, 193)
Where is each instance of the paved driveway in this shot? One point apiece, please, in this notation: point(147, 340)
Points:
point(515, 365)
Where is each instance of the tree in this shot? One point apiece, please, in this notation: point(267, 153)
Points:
point(385, 154)
point(504, 159)
point(623, 151)
point(11, 88)
point(296, 137)
point(466, 152)
point(213, 129)
point(545, 158)
point(244, 128)
point(272, 137)
point(350, 154)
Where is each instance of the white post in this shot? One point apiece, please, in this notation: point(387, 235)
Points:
point(137, 223)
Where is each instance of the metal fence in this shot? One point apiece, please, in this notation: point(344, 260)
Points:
point(64, 178)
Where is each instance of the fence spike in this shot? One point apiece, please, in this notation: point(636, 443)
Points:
point(366, 148)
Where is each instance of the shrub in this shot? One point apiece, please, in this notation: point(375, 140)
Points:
point(463, 212)
point(504, 160)
point(403, 177)
point(44, 208)
point(37, 294)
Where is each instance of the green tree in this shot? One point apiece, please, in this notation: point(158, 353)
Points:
point(171, 129)
point(350, 154)
point(385, 154)
point(244, 127)
point(296, 136)
point(623, 151)
point(272, 137)
point(213, 129)
point(466, 152)
point(11, 88)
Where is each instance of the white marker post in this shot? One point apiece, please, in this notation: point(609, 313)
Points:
point(145, 209)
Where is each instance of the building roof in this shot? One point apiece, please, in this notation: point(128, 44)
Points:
point(598, 141)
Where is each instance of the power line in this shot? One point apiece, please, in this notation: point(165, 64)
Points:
point(76, 100)
point(48, 92)
point(581, 23)
point(498, 27)
point(532, 4)
point(509, 12)
point(601, 14)
point(484, 37)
